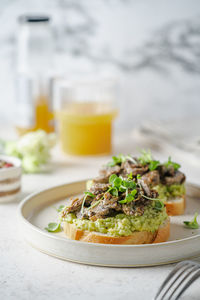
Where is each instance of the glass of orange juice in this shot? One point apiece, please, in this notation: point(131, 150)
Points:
point(85, 116)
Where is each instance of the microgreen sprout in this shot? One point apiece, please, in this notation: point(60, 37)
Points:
point(130, 176)
point(158, 203)
point(169, 163)
point(153, 165)
point(118, 184)
point(149, 198)
point(192, 224)
point(84, 199)
point(115, 181)
point(146, 157)
point(118, 160)
point(53, 227)
point(95, 204)
point(130, 197)
point(130, 158)
point(60, 208)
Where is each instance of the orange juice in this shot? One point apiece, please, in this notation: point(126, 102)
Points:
point(86, 128)
point(43, 117)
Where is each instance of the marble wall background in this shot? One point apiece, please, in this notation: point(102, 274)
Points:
point(152, 47)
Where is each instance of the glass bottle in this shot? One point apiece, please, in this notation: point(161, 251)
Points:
point(35, 51)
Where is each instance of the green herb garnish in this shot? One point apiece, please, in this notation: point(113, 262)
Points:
point(115, 181)
point(113, 190)
point(149, 198)
point(129, 198)
point(123, 201)
point(153, 165)
point(146, 157)
point(53, 227)
point(128, 184)
point(119, 184)
point(84, 199)
point(89, 194)
point(169, 163)
point(130, 176)
point(130, 158)
point(60, 208)
point(95, 204)
point(192, 224)
point(118, 160)
point(159, 205)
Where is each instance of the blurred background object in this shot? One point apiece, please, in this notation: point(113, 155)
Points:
point(151, 47)
point(33, 149)
point(10, 179)
point(35, 54)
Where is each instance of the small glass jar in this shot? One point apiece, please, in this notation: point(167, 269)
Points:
point(85, 113)
point(35, 51)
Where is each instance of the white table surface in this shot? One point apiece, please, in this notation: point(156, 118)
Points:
point(26, 273)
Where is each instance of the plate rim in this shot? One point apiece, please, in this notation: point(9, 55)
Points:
point(47, 234)
point(111, 265)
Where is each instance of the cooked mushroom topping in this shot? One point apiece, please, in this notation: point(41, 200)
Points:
point(151, 178)
point(97, 188)
point(129, 167)
point(75, 205)
point(126, 186)
point(107, 171)
point(178, 178)
point(134, 210)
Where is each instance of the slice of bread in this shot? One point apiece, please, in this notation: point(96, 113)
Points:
point(136, 238)
point(175, 206)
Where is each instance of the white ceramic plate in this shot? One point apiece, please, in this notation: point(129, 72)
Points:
point(38, 209)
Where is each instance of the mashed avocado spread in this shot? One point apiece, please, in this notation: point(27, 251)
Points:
point(121, 224)
point(167, 192)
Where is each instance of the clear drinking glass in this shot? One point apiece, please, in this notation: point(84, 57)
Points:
point(85, 112)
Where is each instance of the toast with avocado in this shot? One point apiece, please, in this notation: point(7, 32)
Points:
point(121, 210)
point(135, 238)
point(128, 203)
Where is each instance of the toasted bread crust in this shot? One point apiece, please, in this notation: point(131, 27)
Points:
point(175, 208)
point(136, 238)
point(163, 232)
